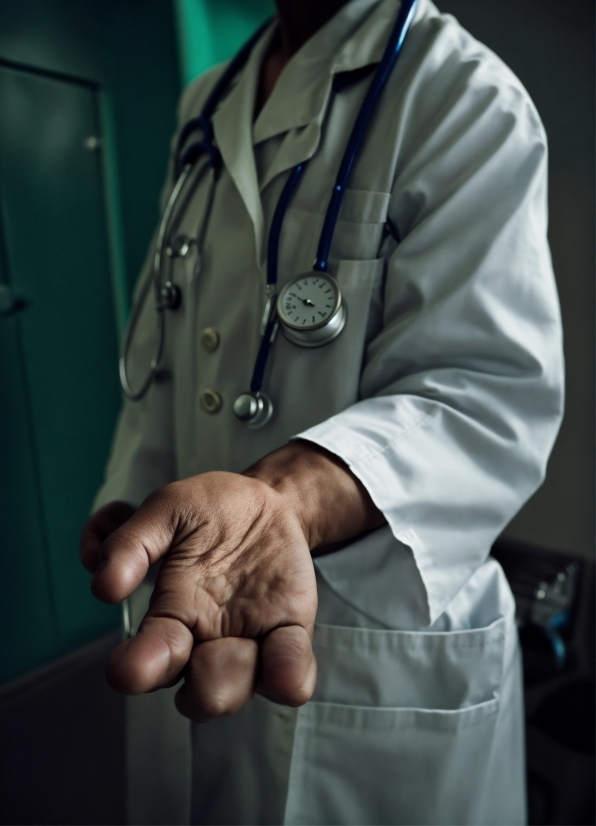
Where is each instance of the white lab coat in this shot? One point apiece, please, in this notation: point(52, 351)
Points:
point(443, 395)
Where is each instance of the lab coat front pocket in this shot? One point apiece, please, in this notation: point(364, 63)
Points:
point(359, 765)
point(311, 385)
point(401, 728)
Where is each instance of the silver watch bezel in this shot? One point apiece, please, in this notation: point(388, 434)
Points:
point(323, 332)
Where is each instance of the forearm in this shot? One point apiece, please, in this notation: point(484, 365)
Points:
point(331, 503)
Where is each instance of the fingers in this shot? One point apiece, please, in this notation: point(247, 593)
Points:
point(219, 675)
point(154, 658)
point(288, 666)
point(98, 528)
point(219, 679)
point(128, 552)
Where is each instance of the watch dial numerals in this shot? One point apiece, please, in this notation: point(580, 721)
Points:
point(308, 302)
point(310, 309)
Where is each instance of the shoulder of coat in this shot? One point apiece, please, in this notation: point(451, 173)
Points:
point(450, 63)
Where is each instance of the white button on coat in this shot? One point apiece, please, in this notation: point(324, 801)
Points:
point(443, 394)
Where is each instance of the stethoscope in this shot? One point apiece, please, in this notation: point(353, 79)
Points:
point(310, 308)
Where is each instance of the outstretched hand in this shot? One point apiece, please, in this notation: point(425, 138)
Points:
point(235, 599)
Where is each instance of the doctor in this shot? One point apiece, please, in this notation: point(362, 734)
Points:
point(325, 592)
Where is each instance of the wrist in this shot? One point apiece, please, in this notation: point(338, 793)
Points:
point(329, 502)
point(284, 471)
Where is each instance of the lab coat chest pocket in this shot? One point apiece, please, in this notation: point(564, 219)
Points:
point(325, 380)
point(400, 727)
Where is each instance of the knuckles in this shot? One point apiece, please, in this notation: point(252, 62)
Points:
point(219, 679)
point(288, 670)
point(208, 708)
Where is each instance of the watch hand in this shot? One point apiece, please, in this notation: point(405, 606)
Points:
point(308, 302)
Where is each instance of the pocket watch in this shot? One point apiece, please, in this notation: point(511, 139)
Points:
point(311, 309)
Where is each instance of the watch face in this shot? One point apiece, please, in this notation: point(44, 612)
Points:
point(309, 301)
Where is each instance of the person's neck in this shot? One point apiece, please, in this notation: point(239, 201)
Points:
point(300, 19)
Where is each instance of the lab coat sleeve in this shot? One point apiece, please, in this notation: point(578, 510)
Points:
point(143, 450)
point(462, 388)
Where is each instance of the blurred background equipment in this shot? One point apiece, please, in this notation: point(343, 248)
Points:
point(554, 593)
point(88, 93)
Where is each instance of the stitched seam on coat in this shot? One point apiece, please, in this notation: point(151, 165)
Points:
point(339, 220)
point(378, 451)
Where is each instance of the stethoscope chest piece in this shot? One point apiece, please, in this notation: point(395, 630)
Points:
point(253, 409)
point(311, 309)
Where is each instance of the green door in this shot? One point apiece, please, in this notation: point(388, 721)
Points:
point(58, 357)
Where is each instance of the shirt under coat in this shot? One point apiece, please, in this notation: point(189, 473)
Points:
point(444, 392)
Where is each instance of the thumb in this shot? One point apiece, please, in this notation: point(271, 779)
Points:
point(126, 554)
point(98, 527)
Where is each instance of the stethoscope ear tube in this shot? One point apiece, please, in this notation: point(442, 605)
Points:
point(136, 395)
point(203, 122)
point(167, 296)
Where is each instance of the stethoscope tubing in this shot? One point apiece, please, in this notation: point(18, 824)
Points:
point(157, 282)
point(363, 121)
point(203, 122)
point(352, 150)
point(287, 193)
point(184, 162)
point(268, 336)
point(137, 395)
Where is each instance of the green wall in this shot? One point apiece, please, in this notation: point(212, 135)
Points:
point(129, 49)
point(73, 232)
point(74, 227)
point(211, 31)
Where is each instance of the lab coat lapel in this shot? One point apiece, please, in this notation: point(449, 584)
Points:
point(299, 145)
point(232, 126)
point(354, 39)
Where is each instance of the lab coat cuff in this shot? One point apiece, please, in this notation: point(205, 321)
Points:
point(364, 455)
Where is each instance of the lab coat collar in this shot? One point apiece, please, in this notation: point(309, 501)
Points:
point(232, 128)
point(354, 38)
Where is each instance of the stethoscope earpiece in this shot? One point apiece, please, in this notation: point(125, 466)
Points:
point(253, 409)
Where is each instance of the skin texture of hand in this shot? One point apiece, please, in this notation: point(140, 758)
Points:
point(234, 603)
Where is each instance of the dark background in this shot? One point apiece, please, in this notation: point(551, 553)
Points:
point(120, 64)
